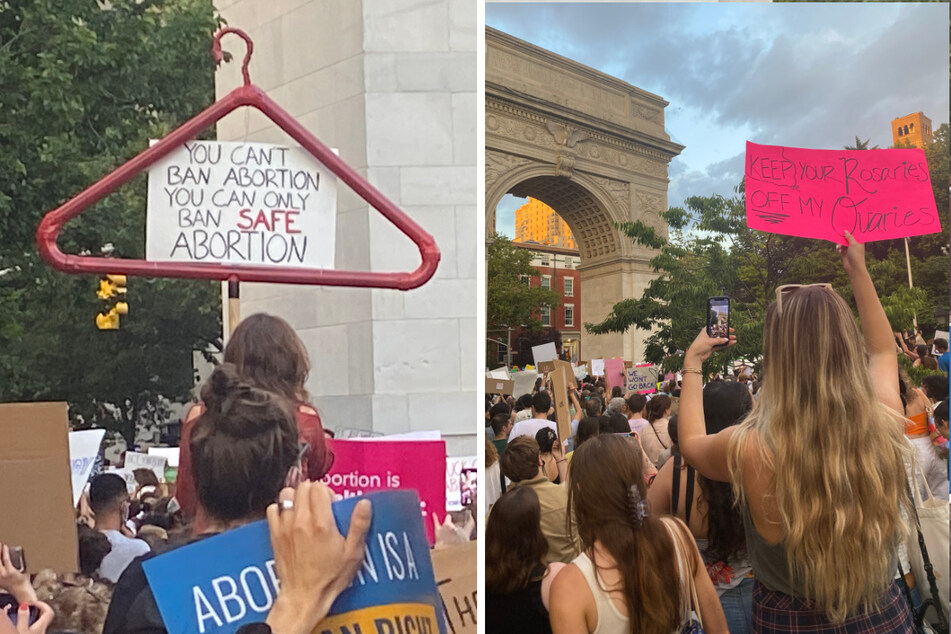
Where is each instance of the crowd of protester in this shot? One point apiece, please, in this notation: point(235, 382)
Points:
point(769, 499)
point(253, 449)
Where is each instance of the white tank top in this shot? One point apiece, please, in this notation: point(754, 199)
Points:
point(610, 620)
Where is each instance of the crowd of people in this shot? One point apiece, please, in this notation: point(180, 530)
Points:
point(253, 449)
point(769, 501)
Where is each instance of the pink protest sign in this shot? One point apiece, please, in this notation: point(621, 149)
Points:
point(614, 372)
point(874, 194)
point(361, 466)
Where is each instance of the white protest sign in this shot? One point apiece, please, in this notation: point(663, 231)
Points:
point(524, 382)
point(83, 449)
point(454, 467)
point(581, 371)
point(641, 379)
point(170, 454)
point(156, 464)
point(597, 367)
point(544, 352)
point(501, 374)
point(253, 204)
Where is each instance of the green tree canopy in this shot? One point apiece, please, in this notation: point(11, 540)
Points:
point(509, 299)
point(83, 87)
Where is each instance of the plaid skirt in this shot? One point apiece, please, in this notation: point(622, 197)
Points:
point(778, 612)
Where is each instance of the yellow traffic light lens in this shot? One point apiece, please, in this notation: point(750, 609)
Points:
point(121, 308)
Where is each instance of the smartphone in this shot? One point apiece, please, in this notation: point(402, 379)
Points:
point(718, 317)
point(468, 484)
point(17, 559)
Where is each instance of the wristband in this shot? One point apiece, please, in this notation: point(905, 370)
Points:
point(691, 371)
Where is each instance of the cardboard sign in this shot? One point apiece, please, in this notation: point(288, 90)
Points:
point(83, 450)
point(642, 379)
point(255, 204)
point(874, 194)
point(546, 367)
point(559, 396)
point(454, 467)
point(614, 372)
point(36, 497)
point(455, 569)
point(222, 582)
point(524, 382)
point(597, 367)
point(155, 464)
point(499, 373)
point(361, 466)
point(544, 352)
point(497, 386)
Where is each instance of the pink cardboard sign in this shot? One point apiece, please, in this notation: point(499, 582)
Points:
point(614, 372)
point(874, 194)
point(361, 466)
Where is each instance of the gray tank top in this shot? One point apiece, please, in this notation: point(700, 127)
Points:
point(769, 561)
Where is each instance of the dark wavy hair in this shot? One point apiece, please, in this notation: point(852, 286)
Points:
point(601, 474)
point(515, 547)
point(269, 354)
point(724, 404)
point(242, 446)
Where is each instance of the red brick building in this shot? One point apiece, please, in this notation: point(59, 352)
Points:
point(558, 271)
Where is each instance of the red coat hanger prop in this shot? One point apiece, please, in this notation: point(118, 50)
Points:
point(252, 96)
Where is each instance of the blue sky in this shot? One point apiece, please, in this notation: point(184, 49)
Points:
point(800, 74)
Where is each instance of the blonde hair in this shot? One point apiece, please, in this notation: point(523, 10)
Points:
point(838, 494)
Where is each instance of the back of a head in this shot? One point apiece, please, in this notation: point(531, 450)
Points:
point(941, 344)
point(616, 392)
point(515, 546)
point(636, 403)
point(921, 350)
point(520, 460)
point(941, 411)
point(615, 405)
point(594, 406)
point(936, 386)
point(107, 492)
point(588, 427)
point(819, 394)
point(541, 403)
point(242, 446)
point(77, 607)
point(725, 404)
point(672, 429)
point(617, 424)
point(524, 402)
point(657, 407)
point(93, 548)
point(546, 439)
point(605, 481)
point(498, 422)
point(269, 354)
point(500, 408)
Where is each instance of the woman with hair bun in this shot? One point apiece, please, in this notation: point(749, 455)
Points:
point(635, 570)
point(245, 448)
point(819, 464)
point(266, 353)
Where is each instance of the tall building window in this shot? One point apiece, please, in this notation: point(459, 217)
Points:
point(501, 352)
point(569, 287)
point(569, 315)
point(546, 316)
point(546, 282)
point(899, 131)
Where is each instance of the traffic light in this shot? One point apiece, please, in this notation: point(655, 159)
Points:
point(111, 286)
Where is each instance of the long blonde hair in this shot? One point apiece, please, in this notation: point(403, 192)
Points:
point(836, 452)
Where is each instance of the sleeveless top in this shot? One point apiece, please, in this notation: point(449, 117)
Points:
point(917, 425)
point(610, 619)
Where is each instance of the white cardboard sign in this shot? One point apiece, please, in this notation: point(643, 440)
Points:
point(252, 204)
point(454, 467)
point(544, 352)
point(83, 449)
point(156, 464)
point(597, 367)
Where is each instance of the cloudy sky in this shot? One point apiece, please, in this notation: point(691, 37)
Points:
point(803, 75)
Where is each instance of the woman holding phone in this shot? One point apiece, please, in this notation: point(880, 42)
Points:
point(820, 503)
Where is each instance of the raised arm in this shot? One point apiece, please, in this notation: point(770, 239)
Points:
point(879, 338)
point(707, 454)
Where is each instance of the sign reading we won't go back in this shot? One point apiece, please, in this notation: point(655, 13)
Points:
point(241, 203)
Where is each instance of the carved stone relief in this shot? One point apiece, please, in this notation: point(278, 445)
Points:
point(497, 164)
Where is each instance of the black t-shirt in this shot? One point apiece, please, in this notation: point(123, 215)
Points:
point(518, 612)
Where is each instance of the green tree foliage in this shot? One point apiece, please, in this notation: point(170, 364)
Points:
point(83, 87)
point(509, 300)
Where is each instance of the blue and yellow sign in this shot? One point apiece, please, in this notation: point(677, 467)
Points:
point(226, 581)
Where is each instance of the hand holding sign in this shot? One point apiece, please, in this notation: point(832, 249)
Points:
point(853, 255)
point(314, 562)
point(873, 194)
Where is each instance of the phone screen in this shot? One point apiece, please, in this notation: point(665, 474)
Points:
point(718, 316)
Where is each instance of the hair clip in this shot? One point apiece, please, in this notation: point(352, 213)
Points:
point(638, 507)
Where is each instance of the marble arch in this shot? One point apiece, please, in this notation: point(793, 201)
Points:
point(592, 147)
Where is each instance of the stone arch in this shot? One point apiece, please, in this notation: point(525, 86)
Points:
point(593, 148)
